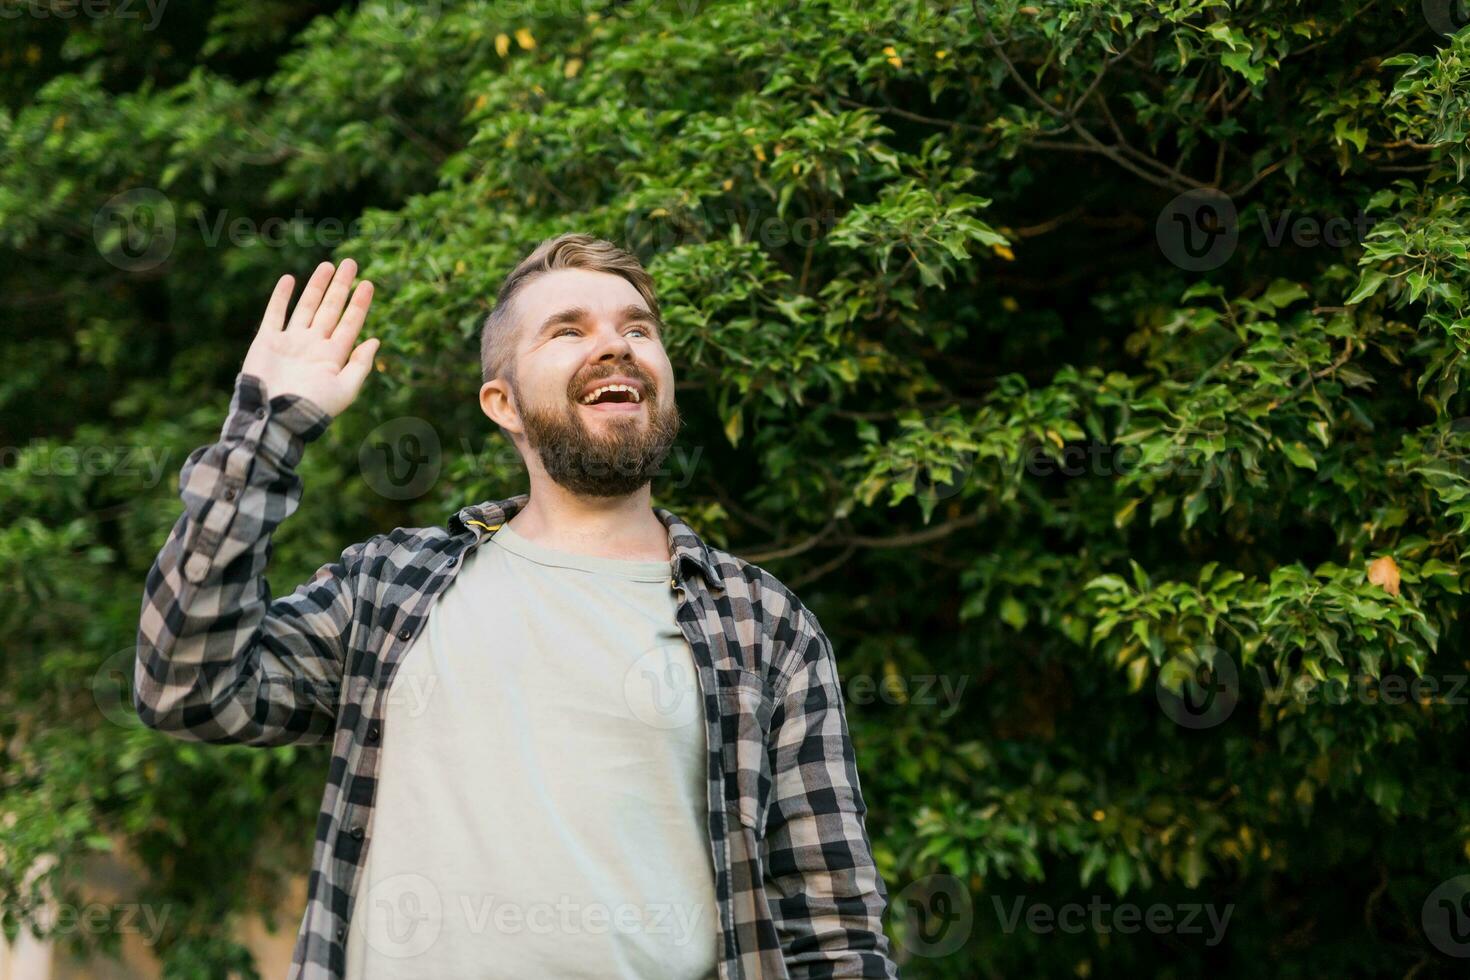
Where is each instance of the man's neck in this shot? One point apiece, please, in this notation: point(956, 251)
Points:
point(603, 527)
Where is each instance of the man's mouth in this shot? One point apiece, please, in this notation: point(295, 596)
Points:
point(614, 397)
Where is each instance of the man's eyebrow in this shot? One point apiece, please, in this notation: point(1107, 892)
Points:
point(572, 314)
point(635, 312)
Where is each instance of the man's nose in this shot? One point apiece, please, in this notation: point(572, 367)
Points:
point(612, 345)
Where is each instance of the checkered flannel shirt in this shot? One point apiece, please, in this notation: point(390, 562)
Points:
point(221, 661)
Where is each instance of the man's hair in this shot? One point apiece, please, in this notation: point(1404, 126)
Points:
point(570, 251)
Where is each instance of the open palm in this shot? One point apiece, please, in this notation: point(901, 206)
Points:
point(313, 355)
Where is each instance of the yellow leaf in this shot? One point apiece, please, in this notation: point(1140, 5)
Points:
point(1099, 815)
point(524, 38)
point(459, 267)
point(1385, 572)
point(481, 101)
point(734, 425)
point(729, 183)
point(59, 123)
point(502, 44)
point(1004, 252)
point(33, 54)
point(659, 213)
point(941, 55)
point(897, 686)
point(573, 66)
point(1009, 304)
point(760, 154)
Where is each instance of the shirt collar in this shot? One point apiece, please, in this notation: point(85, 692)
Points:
point(685, 545)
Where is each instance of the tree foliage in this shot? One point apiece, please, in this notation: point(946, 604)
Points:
point(1074, 358)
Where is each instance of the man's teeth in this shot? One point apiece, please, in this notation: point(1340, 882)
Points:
point(597, 393)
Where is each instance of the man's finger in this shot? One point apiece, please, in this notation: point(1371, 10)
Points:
point(275, 310)
point(336, 298)
point(345, 333)
point(356, 370)
point(310, 297)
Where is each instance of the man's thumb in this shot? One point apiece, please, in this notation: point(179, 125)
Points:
point(355, 371)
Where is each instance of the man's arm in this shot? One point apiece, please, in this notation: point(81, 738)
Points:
point(827, 896)
point(217, 659)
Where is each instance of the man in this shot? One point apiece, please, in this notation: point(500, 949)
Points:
point(580, 741)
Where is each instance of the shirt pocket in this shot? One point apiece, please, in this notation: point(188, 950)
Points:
point(745, 722)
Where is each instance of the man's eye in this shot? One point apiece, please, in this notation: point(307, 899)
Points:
point(566, 330)
point(642, 330)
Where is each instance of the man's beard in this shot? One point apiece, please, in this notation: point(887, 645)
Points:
point(615, 464)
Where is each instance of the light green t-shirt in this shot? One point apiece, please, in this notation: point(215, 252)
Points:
point(541, 807)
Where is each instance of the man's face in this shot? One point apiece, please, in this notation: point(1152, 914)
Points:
point(579, 331)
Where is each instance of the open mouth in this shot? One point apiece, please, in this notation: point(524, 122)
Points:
point(615, 398)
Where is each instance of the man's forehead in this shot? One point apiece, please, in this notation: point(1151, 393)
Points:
point(586, 288)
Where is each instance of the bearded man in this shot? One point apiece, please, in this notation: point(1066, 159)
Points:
point(570, 739)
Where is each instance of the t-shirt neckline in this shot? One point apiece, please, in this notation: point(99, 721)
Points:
point(638, 571)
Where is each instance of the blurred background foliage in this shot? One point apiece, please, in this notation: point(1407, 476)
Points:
point(947, 370)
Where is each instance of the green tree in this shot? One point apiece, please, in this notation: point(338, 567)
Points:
point(1074, 360)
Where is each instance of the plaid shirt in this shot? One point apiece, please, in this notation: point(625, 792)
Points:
point(221, 661)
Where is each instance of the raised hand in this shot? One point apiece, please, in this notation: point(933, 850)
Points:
point(313, 354)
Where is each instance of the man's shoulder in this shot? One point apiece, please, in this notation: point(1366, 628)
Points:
point(753, 591)
point(404, 547)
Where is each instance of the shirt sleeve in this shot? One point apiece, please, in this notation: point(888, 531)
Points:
point(217, 660)
point(826, 894)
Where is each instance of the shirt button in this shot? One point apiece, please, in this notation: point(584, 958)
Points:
point(404, 634)
point(341, 933)
point(260, 413)
point(373, 733)
point(230, 493)
point(357, 832)
point(673, 583)
point(451, 563)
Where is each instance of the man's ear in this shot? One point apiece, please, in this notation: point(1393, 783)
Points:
point(499, 405)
